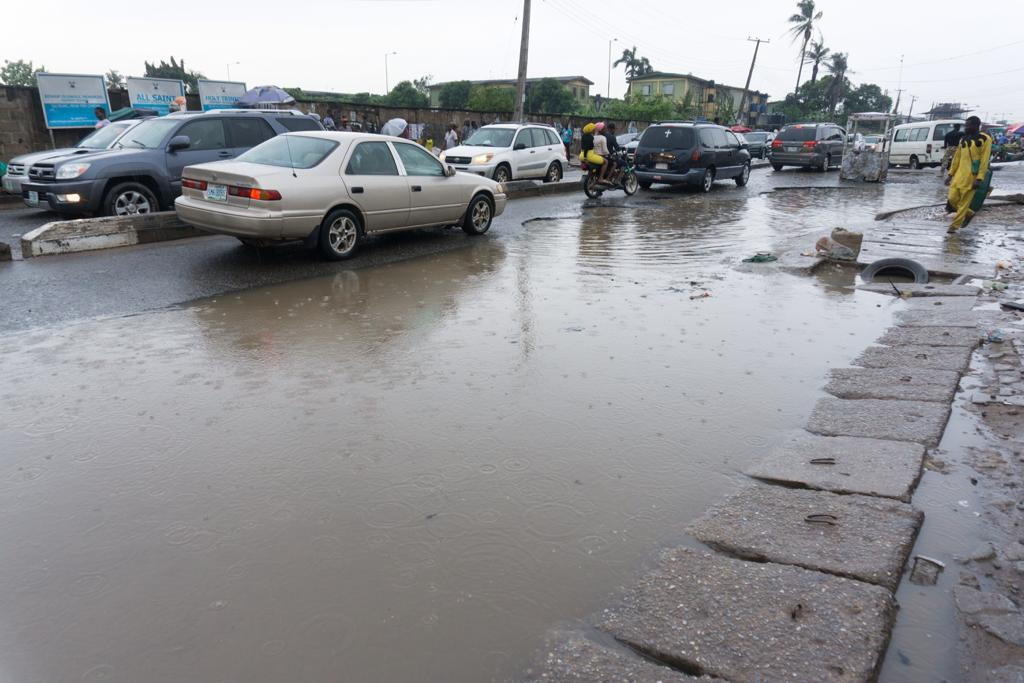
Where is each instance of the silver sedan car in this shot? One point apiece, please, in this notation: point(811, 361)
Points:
point(331, 189)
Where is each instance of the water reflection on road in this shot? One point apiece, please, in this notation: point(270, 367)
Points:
point(407, 472)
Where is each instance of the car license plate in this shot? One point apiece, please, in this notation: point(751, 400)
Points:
point(657, 177)
point(792, 149)
point(661, 167)
point(217, 193)
point(33, 197)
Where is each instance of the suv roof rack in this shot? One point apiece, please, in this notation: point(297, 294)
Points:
point(690, 121)
point(275, 112)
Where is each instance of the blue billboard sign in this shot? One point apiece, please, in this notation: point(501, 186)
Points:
point(70, 100)
point(220, 94)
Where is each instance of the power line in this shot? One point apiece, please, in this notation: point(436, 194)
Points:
point(947, 59)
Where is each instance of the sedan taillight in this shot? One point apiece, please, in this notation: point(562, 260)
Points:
point(254, 193)
point(193, 184)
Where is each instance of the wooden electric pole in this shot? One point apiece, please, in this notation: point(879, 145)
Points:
point(524, 52)
point(750, 74)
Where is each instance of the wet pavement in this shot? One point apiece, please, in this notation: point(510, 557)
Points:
point(406, 467)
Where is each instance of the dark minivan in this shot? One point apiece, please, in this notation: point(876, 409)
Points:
point(687, 153)
point(813, 145)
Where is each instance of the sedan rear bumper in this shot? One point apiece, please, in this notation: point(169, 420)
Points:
point(226, 220)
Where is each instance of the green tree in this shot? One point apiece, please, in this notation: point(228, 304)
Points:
point(492, 99)
point(802, 27)
point(837, 68)
point(815, 56)
point(407, 96)
point(19, 73)
point(114, 79)
point(639, 108)
point(175, 70)
point(455, 95)
point(866, 97)
point(635, 66)
point(422, 84)
point(548, 96)
point(809, 103)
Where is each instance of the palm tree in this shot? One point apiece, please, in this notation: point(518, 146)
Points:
point(803, 26)
point(635, 66)
point(838, 67)
point(815, 56)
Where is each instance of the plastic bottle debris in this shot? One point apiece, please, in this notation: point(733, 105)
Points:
point(702, 295)
point(1003, 264)
point(761, 257)
point(995, 337)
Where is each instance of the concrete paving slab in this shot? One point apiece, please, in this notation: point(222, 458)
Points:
point(918, 421)
point(955, 358)
point(940, 303)
point(930, 336)
point(570, 656)
point(747, 621)
point(918, 290)
point(908, 384)
point(947, 318)
point(859, 537)
point(845, 464)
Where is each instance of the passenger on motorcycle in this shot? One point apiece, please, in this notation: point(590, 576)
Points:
point(613, 147)
point(587, 151)
point(601, 149)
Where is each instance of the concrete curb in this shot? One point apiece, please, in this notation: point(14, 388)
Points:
point(518, 189)
point(88, 234)
point(6, 198)
point(5, 251)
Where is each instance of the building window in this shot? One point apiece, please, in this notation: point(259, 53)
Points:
point(645, 89)
point(711, 97)
point(668, 89)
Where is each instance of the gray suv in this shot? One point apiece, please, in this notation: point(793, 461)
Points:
point(814, 145)
point(142, 172)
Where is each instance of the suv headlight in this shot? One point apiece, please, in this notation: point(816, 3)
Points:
point(69, 171)
point(443, 156)
point(482, 158)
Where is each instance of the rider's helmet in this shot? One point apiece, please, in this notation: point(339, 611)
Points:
point(588, 129)
point(599, 127)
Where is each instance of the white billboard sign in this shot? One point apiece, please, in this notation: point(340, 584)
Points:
point(70, 100)
point(154, 93)
point(220, 94)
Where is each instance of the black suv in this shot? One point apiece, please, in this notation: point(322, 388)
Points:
point(815, 145)
point(142, 172)
point(687, 153)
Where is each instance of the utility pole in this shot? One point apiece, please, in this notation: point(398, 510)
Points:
point(524, 52)
point(746, 88)
point(608, 92)
point(896, 107)
point(913, 98)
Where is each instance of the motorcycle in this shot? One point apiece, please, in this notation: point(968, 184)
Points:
point(622, 178)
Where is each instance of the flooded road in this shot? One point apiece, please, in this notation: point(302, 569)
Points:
point(407, 472)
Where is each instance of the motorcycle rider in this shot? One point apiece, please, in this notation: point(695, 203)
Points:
point(587, 152)
point(601, 149)
point(613, 148)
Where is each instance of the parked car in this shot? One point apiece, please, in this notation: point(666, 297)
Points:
point(102, 138)
point(757, 144)
point(629, 142)
point(142, 172)
point(920, 144)
point(688, 153)
point(510, 151)
point(814, 145)
point(333, 188)
point(875, 143)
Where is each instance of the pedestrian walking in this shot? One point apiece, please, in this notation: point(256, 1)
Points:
point(101, 116)
point(970, 177)
point(451, 138)
point(345, 124)
point(951, 141)
point(467, 130)
point(567, 140)
point(329, 122)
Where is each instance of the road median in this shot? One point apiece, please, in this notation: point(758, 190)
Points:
point(89, 234)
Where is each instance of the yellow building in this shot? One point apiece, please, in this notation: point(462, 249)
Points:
point(707, 98)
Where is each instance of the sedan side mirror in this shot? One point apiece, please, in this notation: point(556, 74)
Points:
point(520, 145)
point(179, 142)
point(449, 171)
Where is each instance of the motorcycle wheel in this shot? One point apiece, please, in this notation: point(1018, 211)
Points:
point(630, 184)
point(591, 188)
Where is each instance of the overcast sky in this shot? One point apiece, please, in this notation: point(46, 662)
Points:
point(340, 44)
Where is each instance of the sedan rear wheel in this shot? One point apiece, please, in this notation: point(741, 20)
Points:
point(339, 235)
point(478, 216)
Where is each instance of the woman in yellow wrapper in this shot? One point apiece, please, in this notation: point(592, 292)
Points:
point(970, 177)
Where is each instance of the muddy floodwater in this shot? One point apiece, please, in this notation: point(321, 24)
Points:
point(406, 472)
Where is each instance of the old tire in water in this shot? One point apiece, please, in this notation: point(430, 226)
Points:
point(885, 268)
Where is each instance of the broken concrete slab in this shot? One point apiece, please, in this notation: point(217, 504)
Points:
point(918, 421)
point(947, 318)
point(994, 613)
point(930, 336)
point(869, 466)
point(907, 384)
point(940, 303)
point(955, 358)
point(919, 290)
point(747, 621)
point(570, 656)
point(859, 537)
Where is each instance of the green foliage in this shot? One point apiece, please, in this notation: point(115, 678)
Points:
point(810, 103)
point(725, 110)
point(866, 97)
point(635, 66)
point(803, 21)
point(422, 84)
point(548, 96)
point(406, 95)
point(492, 99)
point(114, 79)
point(175, 70)
point(455, 95)
point(837, 67)
point(19, 73)
point(815, 55)
point(639, 108)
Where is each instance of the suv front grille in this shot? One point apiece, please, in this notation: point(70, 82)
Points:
point(16, 169)
point(458, 160)
point(41, 173)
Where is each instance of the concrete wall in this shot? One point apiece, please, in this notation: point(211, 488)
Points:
point(22, 128)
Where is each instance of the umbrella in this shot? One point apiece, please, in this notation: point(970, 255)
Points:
point(264, 97)
point(740, 129)
point(1015, 129)
point(394, 127)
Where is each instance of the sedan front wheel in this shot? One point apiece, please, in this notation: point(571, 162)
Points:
point(339, 235)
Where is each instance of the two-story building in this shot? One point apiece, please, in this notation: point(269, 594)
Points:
point(579, 86)
point(707, 98)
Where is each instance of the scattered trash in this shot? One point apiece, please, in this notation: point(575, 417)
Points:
point(884, 269)
point(925, 570)
point(702, 295)
point(1014, 305)
point(831, 249)
point(761, 257)
point(995, 337)
point(1003, 264)
point(994, 285)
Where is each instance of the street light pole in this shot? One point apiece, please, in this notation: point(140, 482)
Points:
point(608, 92)
point(524, 52)
point(387, 84)
point(228, 65)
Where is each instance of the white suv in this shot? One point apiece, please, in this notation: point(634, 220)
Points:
point(510, 151)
